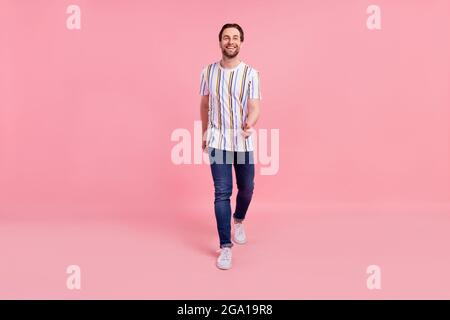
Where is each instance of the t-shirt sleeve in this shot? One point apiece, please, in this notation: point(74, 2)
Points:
point(204, 90)
point(255, 86)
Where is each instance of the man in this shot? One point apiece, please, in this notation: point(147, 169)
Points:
point(229, 109)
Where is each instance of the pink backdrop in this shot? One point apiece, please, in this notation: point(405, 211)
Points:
point(86, 175)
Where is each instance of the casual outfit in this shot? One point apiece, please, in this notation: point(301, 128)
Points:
point(229, 90)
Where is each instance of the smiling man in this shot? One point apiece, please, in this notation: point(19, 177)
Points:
point(229, 109)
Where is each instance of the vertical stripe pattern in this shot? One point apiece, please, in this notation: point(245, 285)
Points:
point(229, 90)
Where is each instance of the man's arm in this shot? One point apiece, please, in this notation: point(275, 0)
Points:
point(252, 116)
point(204, 107)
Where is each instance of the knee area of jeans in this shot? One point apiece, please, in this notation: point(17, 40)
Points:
point(222, 195)
point(223, 188)
point(247, 188)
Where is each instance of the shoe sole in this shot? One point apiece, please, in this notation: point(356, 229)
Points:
point(223, 268)
point(238, 242)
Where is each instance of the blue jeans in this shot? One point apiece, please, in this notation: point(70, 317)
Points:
point(244, 168)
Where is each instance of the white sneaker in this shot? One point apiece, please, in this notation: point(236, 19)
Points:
point(239, 233)
point(224, 259)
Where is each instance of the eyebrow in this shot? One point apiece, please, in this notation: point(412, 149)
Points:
point(235, 36)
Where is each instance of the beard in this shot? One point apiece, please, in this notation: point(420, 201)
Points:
point(230, 55)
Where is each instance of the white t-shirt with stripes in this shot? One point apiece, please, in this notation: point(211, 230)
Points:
point(229, 90)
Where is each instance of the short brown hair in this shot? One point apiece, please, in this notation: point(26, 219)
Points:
point(232, 25)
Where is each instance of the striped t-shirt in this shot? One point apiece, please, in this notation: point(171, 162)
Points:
point(228, 90)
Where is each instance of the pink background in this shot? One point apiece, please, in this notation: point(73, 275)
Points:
point(86, 176)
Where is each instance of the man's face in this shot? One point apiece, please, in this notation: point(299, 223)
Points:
point(230, 42)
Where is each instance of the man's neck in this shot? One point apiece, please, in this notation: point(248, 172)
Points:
point(230, 63)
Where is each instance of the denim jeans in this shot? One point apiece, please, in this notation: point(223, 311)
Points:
point(221, 163)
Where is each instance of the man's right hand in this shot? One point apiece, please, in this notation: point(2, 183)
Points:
point(205, 149)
